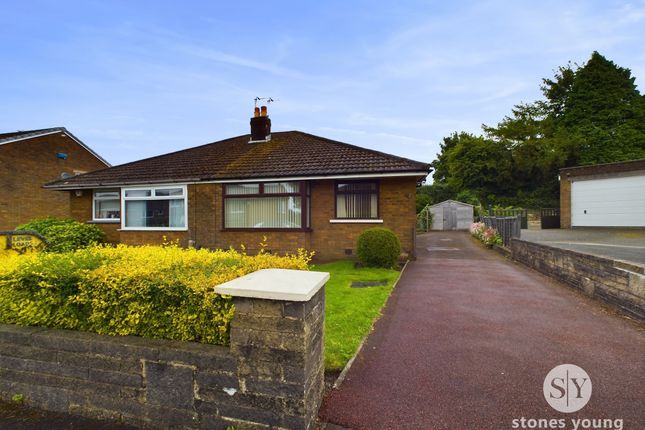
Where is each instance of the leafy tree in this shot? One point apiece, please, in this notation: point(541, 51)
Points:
point(604, 113)
point(474, 163)
point(589, 115)
point(422, 197)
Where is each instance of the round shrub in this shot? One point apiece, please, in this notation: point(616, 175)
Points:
point(378, 247)
point(65, 234)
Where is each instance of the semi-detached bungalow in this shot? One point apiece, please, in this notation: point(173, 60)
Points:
point(295, 189)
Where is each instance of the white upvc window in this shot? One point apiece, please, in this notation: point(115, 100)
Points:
point(106, 205)
point(163, 207)
point(266, 205)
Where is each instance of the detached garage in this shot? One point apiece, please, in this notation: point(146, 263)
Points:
point(451, 215)
point(604, 195)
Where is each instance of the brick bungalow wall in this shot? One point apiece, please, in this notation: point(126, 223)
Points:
point(26, 166)
point(329, 241)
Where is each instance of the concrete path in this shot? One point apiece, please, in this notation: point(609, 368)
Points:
point(467, 339)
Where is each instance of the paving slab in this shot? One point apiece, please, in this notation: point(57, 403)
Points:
point(466, 341)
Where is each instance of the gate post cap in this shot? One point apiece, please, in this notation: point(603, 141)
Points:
point(276, 284)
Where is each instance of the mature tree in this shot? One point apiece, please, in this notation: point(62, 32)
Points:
point(604, 113)
point(434, 193)
point(473, 163)
point(589, 115)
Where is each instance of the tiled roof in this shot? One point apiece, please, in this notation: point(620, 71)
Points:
point(287, 154)
point(30, 134)
point(22, 134)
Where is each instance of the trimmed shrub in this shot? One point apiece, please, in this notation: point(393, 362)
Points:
point(65, 235)
point(160, 292)
point(378, 247)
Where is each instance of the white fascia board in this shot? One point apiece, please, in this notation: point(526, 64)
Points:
point(31, 136)
point(312, 178)
point(87, 148)
point(237, 181)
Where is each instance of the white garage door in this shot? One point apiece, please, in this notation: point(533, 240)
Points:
point(612, 202)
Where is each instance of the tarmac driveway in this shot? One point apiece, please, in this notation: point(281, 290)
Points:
point(466, 341)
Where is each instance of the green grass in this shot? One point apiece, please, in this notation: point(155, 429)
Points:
point(350, 312)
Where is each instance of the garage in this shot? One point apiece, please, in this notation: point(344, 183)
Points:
point(609, 195)
point(612, 202)
point(451, 215)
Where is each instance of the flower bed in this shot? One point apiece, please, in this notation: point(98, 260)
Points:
point(161, 292)
point(486, 235)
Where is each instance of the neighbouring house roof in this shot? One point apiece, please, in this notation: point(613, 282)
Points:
point(289, 154)
point(451, 201)
point(30, 134)
point(601, 169)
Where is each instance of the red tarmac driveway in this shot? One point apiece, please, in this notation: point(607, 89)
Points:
point(466, 341)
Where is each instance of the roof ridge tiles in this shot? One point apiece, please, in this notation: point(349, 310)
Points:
point(288, 154)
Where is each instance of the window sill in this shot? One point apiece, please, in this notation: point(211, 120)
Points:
point(260, 230)
point(104, 221)
point(355, 221)
point(152, 229)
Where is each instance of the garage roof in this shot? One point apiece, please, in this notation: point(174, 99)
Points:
point(601, 169)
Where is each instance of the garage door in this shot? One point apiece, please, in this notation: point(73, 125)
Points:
point(612, 202)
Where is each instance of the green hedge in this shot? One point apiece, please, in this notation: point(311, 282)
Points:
point(160, 292)
point(65, 234)
point(378, 247)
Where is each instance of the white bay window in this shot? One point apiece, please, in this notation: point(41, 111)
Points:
point(155, 208)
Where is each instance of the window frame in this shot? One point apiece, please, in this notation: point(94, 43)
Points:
point(304, 192)
point(152, 189)
point(95, 199)
point(376, 218)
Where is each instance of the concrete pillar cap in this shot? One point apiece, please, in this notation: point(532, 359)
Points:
point(276, 284)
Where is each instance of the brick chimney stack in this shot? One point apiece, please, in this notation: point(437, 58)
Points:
point(260, 125)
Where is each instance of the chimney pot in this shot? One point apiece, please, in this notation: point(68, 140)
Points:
point(256, 112)
point(263, 111)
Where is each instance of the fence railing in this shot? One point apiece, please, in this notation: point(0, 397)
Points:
point(507, 227)
point(424, 220)
point(522, 213)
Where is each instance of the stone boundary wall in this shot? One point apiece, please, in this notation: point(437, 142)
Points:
point(270, 376)
point(618, 284)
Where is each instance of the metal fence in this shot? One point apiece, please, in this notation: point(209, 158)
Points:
point(507, 227)
point(522, 213)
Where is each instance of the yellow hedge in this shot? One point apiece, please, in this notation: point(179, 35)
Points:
point(162, 292)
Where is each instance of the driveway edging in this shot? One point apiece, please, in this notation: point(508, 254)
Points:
point(343, 373)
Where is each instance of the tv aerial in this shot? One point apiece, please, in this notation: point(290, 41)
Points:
point(267, 99)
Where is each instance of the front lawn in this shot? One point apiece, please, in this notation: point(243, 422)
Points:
point(350, 312)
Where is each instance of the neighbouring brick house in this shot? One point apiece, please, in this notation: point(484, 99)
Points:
point(295, 189)
point(28, 160)
point(603, 195)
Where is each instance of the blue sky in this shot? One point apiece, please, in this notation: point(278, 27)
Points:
point(134, 79)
